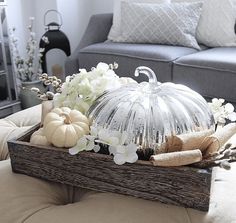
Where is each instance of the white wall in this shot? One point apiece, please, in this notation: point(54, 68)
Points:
point(40, 7)
point(15, 19)
point(75, 14)
point(75, 18)
point(102, 6)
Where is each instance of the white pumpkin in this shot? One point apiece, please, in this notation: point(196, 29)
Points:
point(39, 138)
point(63, 127)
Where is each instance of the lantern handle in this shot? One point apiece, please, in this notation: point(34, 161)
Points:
point(148, 72)
point(53, 10)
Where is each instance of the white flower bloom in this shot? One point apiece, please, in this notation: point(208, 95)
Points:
point(27, 68)
point(125, 154)
point(222, 112)
point(108, 137)
point(112, 138)
point(103, 67)
point(81, 90)
point(86, 143)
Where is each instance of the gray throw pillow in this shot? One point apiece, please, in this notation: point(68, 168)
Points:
point(168, 23)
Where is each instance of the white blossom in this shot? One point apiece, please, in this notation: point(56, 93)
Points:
point(125, 154)
point(27, 68)
point(222, 112)
point(117, 142)
point(80, 90)
point(84, 144)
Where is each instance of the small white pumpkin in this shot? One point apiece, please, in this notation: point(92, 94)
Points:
point(39, 138)
point(63, 127)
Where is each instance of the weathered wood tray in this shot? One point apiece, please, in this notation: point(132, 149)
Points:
point(183, 186)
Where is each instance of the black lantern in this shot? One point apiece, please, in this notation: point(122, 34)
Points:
point(57, 39)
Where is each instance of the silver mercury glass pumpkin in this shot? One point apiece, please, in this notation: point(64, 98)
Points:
point(150, 112)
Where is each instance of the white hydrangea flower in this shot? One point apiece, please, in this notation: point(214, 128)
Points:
point(222, 112)
point(80, 90)
point(102, 67)
point(112, 138)
point(125, 154)
point(115, 140)
point(86, 143)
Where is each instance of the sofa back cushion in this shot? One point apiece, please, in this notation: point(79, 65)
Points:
point(115, 31)
point(171, 24)
point(217, 22)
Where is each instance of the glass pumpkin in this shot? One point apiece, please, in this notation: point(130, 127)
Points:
point(151, 111)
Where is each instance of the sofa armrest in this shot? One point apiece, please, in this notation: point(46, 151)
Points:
point(96, 32)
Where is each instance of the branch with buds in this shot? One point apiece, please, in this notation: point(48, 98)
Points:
point(52, 82)
point(222, 158)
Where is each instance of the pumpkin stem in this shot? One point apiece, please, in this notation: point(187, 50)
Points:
point(67, 119)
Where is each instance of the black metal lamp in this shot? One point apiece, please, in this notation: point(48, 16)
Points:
point(57, 39)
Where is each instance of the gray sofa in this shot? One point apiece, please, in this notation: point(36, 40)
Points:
point(211, 72)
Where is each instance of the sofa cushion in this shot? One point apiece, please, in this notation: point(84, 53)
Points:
point(30, 200)
point(16, 124)
point(211, 72)
point(22, 196)
point(173, 24)
point(130, 56)
point(216, 25)
point(115, 31)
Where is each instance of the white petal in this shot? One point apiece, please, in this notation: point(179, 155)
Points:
point(132, 148)
point(74, 150)
point(222, 100)
point(90, 146)
point(114, 141)
point(221, 120)
point(112, 150)
point(103, 66)
point(82, 142)
point(96, 148)
point(232, 117)
point(229, 108)
point(132, 158)
point(90, 138)
point(120, 149)
point(119, 159)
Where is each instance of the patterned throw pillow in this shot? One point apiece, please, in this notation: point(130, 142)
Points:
point(115, 31)
point(172, 24)
point(216, 25)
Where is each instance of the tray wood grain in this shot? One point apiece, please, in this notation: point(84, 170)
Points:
point(182, 186)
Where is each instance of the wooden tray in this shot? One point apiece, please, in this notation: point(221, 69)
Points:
point(182, 186)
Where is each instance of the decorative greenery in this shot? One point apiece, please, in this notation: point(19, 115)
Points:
point(28, 68)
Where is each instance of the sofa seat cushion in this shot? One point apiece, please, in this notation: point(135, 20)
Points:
point(31, 200)
point(130, 56)
point(211, 72)
point(16, 124)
